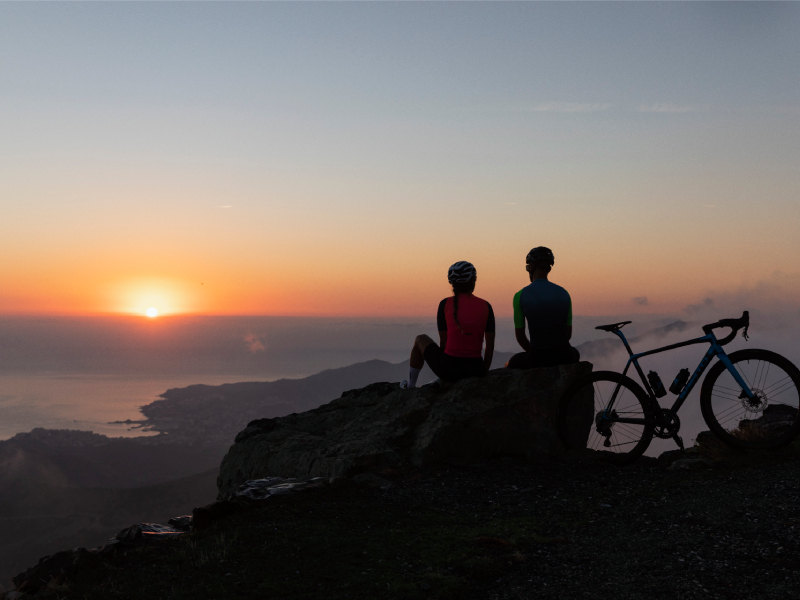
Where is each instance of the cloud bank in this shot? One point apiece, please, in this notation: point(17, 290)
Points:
point(569, 107)
point(670, 108)
point(253, 343)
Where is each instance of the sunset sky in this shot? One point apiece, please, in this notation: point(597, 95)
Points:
point(334, 159)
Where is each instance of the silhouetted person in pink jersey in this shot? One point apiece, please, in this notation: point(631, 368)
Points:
point(463, 321)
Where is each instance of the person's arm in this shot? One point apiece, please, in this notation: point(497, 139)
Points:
point(488, 353)
point(489, 333)
point(519, 323)
point(522, 339)
point(441, 324)
point(569, 320)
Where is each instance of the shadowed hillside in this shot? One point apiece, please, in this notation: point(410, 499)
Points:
point(62, 489)
point(39, 518)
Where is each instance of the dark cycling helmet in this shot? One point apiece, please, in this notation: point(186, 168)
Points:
point(462, 272)
point(540, 257)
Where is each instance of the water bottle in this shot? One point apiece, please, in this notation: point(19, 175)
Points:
point(655, 383)
point(680, 381)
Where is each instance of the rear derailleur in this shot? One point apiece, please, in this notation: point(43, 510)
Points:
point(603, 425)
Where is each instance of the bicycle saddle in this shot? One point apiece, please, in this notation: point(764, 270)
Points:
point(613, 326)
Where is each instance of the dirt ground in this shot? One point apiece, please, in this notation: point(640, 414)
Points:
point(504, 529)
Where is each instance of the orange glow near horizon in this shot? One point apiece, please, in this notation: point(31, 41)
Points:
point(370, 292)
point(368, 269)
point(306, 162)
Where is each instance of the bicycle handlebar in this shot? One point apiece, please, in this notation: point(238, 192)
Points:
point(734, 324)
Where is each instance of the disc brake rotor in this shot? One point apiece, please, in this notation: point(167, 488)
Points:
point(756, 404)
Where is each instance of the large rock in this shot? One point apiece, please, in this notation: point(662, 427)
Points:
point(381, 428)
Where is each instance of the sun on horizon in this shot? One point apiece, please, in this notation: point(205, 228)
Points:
point(151, 312)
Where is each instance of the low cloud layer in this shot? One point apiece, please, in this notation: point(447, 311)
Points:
point(671, 108)
point(702, 306)
point(773, 302)
point(570, 107)
point(253, 343)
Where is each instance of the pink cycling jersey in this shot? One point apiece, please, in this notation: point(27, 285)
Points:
point(475, 317)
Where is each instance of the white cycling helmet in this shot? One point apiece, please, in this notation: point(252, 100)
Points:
point(462, 272)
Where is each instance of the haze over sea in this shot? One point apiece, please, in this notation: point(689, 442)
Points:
point(86, 372)
point(333, 159)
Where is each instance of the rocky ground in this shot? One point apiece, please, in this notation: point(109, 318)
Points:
point(500, 529)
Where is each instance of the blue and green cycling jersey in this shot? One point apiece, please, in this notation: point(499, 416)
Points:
point(548, 310)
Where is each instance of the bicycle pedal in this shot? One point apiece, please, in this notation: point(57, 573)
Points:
point(679, 441)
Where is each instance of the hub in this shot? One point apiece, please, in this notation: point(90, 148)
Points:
point(757, 403)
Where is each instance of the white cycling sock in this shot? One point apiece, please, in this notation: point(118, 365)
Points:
point(412, 377)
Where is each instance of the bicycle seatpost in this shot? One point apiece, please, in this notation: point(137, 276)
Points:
point(624, 341)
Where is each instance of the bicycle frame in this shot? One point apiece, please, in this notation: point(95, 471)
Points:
point(714, 350)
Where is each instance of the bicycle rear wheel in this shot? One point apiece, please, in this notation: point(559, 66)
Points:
point(580, 428)
point(769, 421)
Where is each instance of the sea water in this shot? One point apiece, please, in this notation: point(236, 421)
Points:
point(86, 373)
point(85, 402)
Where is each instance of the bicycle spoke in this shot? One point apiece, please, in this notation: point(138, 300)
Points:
point(756, 374)
point(629, 434)
point(615, 397)
point(614, 442)
point(745, 377)
point(718, 387)
point(730, 409)
point(765, 377)
point(723, 396)
point(623, 443)
point(625, 427)
point(788, 386)
point(780, 382)
point(730, 418)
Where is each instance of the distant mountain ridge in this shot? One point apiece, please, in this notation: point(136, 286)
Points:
point(215, 414)
point(612, 343)
point(57, 479)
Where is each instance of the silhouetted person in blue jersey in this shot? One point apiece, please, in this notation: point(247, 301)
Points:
point(547, 308)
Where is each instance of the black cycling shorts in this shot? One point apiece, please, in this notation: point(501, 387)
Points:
point(545, 357)
point(452, 368)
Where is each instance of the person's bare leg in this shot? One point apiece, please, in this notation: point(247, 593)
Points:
point(417, 359)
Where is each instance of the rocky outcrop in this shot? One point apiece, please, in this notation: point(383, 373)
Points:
point(63, 565)
point(775, 420)
point(383, 429)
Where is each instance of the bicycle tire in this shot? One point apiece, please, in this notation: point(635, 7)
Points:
point(576, 425)
point(739, 422)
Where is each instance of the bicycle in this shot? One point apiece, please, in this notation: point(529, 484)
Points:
point(750, 400)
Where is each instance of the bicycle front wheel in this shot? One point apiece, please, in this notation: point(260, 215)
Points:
point(770, 419)
point(581, 426)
